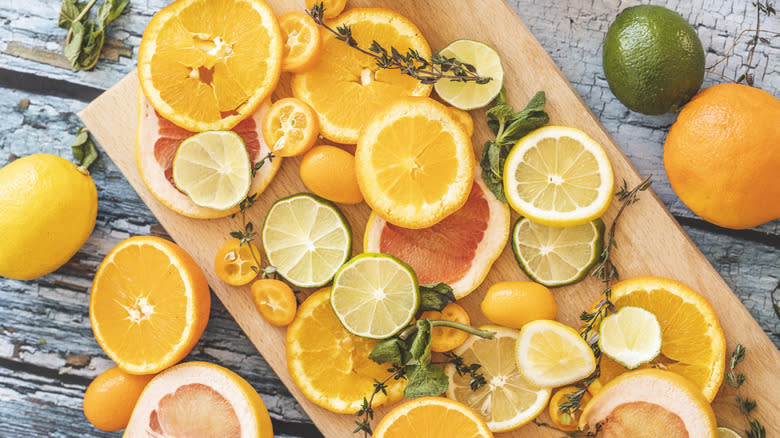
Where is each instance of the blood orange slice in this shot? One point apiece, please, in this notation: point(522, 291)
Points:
point(458, 251)
point(157, 141)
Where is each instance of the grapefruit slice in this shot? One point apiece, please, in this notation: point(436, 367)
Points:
point(458, 251)
point(157, 141)
point(199, 399)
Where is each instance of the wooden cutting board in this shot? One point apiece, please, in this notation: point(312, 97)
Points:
point(651, 242)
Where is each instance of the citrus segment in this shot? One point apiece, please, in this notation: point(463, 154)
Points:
point(550, 354)
point(432, 417)
point(149, 304)
point(234, 262)
point(445, 338)
point(208, 64)
point(316, 337)
point(632, 336)
point(290, 127)
point(347, 87)
point(302, 41)
point(471, 95)
point(275, 301)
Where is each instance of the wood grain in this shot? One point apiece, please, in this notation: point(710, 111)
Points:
point(651, 241)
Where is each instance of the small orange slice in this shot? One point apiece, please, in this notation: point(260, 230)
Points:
point(233, 262)
point(150, 303)
point(208, 64)
point(275, 301)
point(331, 8)
point(290, 127)
point(445, 338)
point(302, 41)
point(432, 417)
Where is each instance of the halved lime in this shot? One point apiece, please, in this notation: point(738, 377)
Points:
point(307, 239)
point(631, 337)
point(725, 432)
point(375, 295)
point(556, 256)
point(471, 95)
point(213, 169)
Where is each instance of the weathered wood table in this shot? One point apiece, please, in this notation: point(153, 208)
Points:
point(47, 352)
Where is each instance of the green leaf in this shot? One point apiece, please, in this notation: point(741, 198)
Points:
point(73, 47)
point(522, 126)
point(491, 169)
point(435, 296)
point(500, 112)
point(536, 103)
point(109, 10)
point(425, 381)
point(421, 344)
point(389, 351)
point(91, 47)
point(69, 10)
point(84, 149)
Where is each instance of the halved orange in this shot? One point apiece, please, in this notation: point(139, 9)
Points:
point(208, 64)
point(302, 41)
point(290, 127)
point(432, 417)
point(149, 305)
point(347, 87)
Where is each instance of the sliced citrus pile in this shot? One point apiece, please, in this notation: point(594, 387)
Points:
point(290, 127)
point(631, 337)
point(316, 338)
point(375, 295)
point(346, 87)
point(200, 399)
point(414, 163)
point(550, 354)
point(693, 344)
point(149, 304)
point(555, 256)
point(331, 7)
point(302, 41)
point(507, 401)
point(558, 176)
point(157, 141)
point(206, 64)
point(459, 250)
point(432, 417)
point(471, 95)
point(234, 261)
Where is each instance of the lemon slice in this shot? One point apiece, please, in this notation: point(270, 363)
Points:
point(558, 176)
point(307, 239)
point(631, 337)
point(555, 256)
point(375, 295)
point(471, 95)
point(507, 401)
point(725, 432)
point(550, 354)
point(213, 169)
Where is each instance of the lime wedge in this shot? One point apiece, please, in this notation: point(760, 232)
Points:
point(556, 256)
point(725, 432)
point(213, 169)
point(307, 239)
point(631, 337)
point(471, 95)
point(375, 295)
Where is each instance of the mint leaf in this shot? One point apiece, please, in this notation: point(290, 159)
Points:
point(435, 296)
point(536, 103)
point(424, 381)
point(109, 10)
point(421, 344)
point(492, 170)
point(69, 11)
point(391, 351)
point(522, 126)
point(84, 149)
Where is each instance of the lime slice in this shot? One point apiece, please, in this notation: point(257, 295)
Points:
point(307, 239)
point(507, 401)
point(375, 295)
point(558, 176)
point(556, 256)
point(550, 354)
point(213, 169)
point(471, 95)
point(725, 432)
point(631, 337)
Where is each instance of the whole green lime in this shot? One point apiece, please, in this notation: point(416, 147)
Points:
point(653, 59)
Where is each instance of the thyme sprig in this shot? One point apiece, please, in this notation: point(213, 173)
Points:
point(366, 409)
point(605, 271)
point(572, 434)
point(477, 379)
point(425, 70)
point(247, 232)
point(735, 380)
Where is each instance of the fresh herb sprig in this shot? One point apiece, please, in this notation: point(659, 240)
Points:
point(735, 380)
point(571, 434)
point(508, 126)
point(462, 368)
point(605, 271)
point(85, 37)
point(425, 70)
point(247, 232)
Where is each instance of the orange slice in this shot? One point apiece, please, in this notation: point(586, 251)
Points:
point(414, 163)
point(208, 64)
point(445, 338)
point(234, 261)
point(432, 417)
point(275, 301)
point(346, 87)
point(316, 337)
point(331, 8)
point(302, 41)
point(150, 303)
point(290, 127)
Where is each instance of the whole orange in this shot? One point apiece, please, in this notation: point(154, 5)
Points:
point(722, 156)
point(111, 397)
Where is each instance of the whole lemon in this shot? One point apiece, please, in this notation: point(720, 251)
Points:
point(110, 398)
point(329, 172)
point(516, 303)
point(48, 208)
point(722, 156)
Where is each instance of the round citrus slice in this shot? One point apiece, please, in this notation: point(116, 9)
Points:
point(558, 176)
point(432, 417)
point(234, 262)
point(555, 256)
point(275, 300)
point(290, 127)
point(375, 295)
point(307, 239)
point(302, 41)
point(414, 163)
point(566, 421)
point(550, 354)
point(631, 337)
point(464, 118)
point(507, 401)
point(446, 338)
point(207, 65)
point(157, 141)
point(459, 250)
point(199, 399)
point(471, 95)
point(331, 8)
point(316, 338)
point(149, 304)
point(725, 432)
point(213, 169)
point(346, 87)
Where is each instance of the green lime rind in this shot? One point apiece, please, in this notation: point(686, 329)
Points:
point(288, 245)
point(522, 251)
point(358, 292)
point(470, 95)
